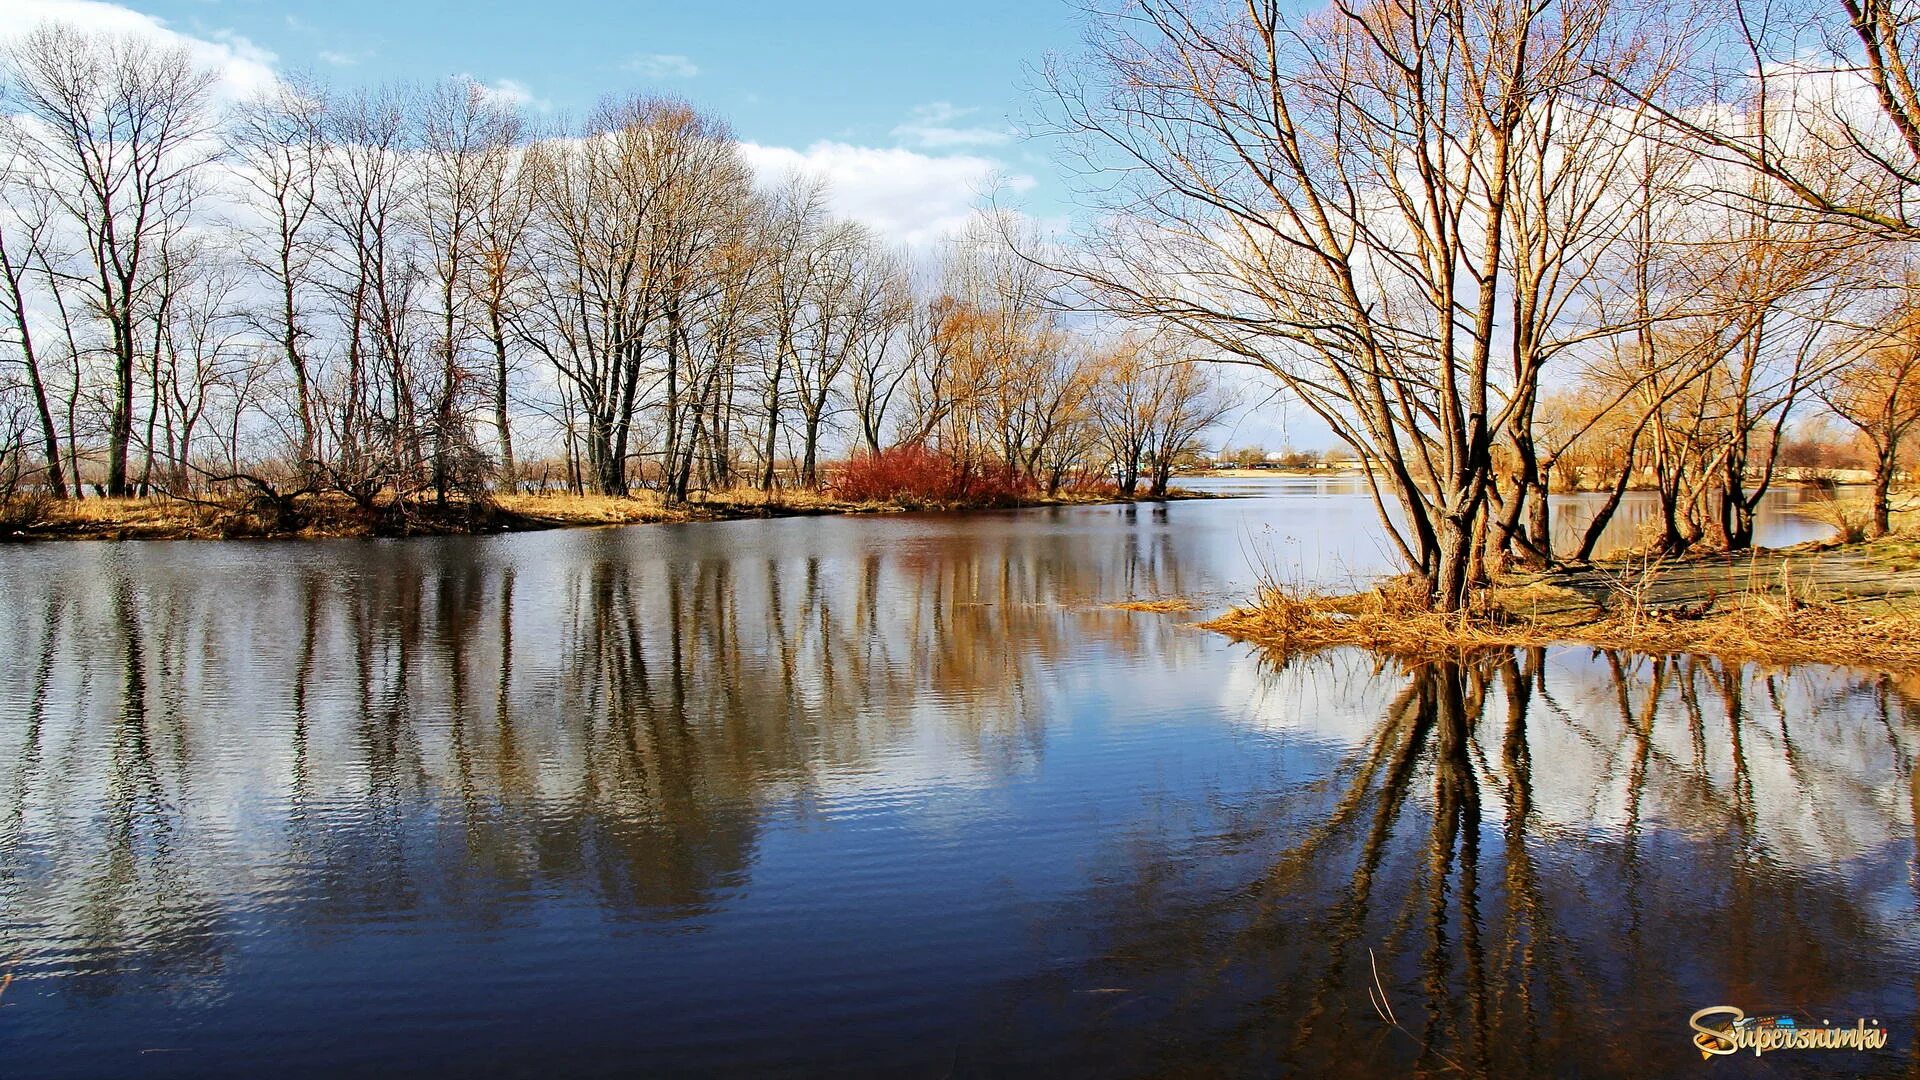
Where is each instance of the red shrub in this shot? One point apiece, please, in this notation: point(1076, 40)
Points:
point(919, 476)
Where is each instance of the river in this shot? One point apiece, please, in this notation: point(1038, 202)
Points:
point(903, 796)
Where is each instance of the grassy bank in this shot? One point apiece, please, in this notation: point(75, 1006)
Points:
point(1856, 604)
point(321, 516)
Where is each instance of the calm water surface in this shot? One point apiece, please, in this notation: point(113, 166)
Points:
point(901, 796)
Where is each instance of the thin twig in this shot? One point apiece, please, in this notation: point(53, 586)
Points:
point(1385, 1011)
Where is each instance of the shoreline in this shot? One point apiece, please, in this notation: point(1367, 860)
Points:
point(323, 518)
point(1851, 605)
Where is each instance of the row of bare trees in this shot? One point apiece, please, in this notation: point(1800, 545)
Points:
point(1498, 244)
point(403, 293)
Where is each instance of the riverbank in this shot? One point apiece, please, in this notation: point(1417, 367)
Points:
point(1855, 604)
point(322, 516)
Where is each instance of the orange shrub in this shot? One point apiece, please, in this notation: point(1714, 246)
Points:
point(915, 475)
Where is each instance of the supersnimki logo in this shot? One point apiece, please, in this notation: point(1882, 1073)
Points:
point(1721, 1030)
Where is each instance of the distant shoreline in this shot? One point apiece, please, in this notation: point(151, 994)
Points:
point(321, 518)
point(1262, 474)
point(1795, 479)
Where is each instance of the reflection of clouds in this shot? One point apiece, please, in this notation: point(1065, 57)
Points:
point(1546, 879)
point(1335, 698)
point(712, 732)
point(1800, 759)
point(374, 728)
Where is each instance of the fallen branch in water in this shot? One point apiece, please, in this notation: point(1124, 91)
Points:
point(1377, 997)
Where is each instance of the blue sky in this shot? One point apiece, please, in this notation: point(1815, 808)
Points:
point(786, 73)
point(908, 110)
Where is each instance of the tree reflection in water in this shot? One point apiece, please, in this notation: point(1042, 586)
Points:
point(1045, 835)
point(1530, 913)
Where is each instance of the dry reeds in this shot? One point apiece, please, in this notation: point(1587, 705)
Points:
point(1173, 605)
point(1391, 619)
point(325, 515)
point(1772, 625)
point(1848, 519)
point(309, 515)
point(567, 510)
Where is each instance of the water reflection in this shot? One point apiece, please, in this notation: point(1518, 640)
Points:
point(1546, 862)
point(894, 795)
point(431, 735)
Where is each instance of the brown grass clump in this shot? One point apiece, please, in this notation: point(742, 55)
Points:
point(1848, 519)
point(1173, 605)
point(1769, 627)
point(751, 501)
point(1390, 619)
point(570, 510)
point(269, 515)
point(320, 516)
point(99, 518)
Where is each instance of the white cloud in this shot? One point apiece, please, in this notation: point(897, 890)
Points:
point(338, 59)
point(243, 68)
point(905, 196)
point(663, 66)
point(934, 127)
point(510, 92)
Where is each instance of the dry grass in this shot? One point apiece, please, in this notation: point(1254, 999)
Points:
point(1848, 518)
point(574, 510)
point(117, 518)
point(314, 516)
point(1772, 625)
point(1173, 605)
point(786, 501)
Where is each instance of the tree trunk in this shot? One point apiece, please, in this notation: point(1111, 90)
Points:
point(1453, 573)
point(771, 443)
point(1162, 474)
point(120, 427)
point(509, 472)
point(1883, 469)
point(810, 462)
point(56, 477)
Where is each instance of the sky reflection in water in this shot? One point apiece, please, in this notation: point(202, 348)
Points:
point(900, 795)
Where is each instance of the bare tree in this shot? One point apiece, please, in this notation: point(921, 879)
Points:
point(203, 356)
point(28, 223)
point(1328, 199)
point(1774, 88)
point(1877, 391)
point(886, 349)
point(373, 281)
point(501, 289)
point(1781, 291)
point(468, 141)
point(616, 242)
point(1186, 402)
point(277, 142)
point(796, 226)
point(119, 127)
point(839, 291)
